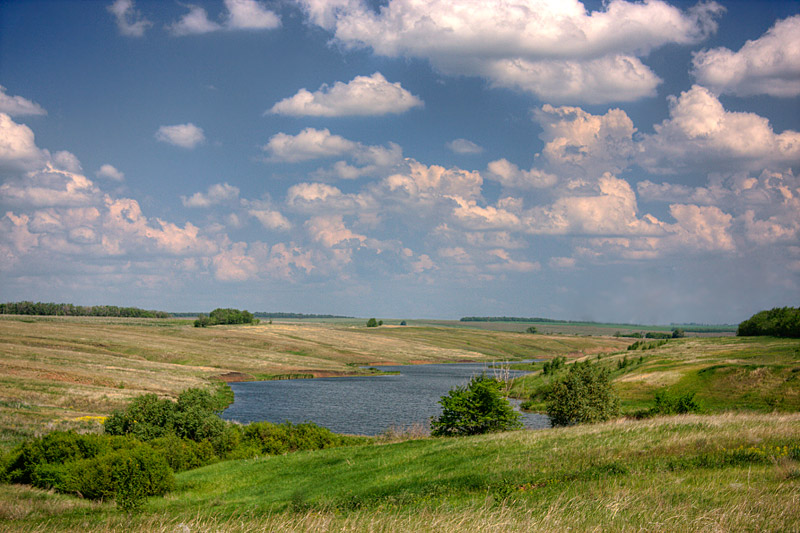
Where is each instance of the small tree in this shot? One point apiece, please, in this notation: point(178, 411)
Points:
point(474, 409)
point(372, 323)
point(585, 395)
point(202, 321)
point(531, 329)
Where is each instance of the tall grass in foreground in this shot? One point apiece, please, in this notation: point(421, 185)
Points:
point(685, 473)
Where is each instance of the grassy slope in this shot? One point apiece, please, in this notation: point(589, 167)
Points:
point(756, 373)
point(54, 370)
point(690, 473)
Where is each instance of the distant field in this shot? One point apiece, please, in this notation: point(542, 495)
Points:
point(566, 328)
point(56, 370)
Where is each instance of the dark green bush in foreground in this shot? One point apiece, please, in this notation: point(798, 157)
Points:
point(193, 417)
point(474, 409)
point(97, 467)
point(584, 395)
point(145, 443)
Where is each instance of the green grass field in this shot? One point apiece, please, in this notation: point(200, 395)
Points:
point(734, 472)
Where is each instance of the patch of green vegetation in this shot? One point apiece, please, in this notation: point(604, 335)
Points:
point(684, 473)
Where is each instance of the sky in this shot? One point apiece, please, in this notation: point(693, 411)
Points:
point(610, 161)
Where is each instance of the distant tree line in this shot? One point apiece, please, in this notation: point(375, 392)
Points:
point(225, 316)
point(54, 309)
point(777, 322)
point(261, 314)
point(508, 319)
point(534, 319)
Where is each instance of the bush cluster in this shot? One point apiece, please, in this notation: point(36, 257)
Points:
point(476, 408)
point(584, 395)
point(149, 440)
point(657, 335)
point(636, 335)
point(647, 345)
point(98, 467)
point(777, 322)
point(193, 417)
point(225, 316)
point(667, 403)
point(625, 362)
point(554, 365)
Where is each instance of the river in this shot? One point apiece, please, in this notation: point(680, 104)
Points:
point(362, 405)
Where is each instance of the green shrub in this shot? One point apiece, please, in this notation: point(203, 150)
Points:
point(130, 475)
point(474, 409)
point(673, 404)
point(203, 322)
point(372, 323)
point(147, 417)
point(194, 416)
point(184, 454)
point(225, 316)
point(275, 439)
point(584, 395)
point(645, 345)
point(27, 464)
point(92, 466)
point(228, 440)
point(658, 335)
point(554, 365)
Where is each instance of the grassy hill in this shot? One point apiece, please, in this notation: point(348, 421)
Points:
point(731, 472)
point(724, 373)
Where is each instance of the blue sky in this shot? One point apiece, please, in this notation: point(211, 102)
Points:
point(614, 161)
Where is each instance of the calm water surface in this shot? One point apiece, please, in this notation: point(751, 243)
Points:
point(359, 405)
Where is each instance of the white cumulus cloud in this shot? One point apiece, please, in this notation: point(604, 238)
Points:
point(271, 219)
point(363, 96)
point(17, 106)
point(129, 21)
point(110, 172)
point(768, 65)
point(18, 148)
point(510, 175)
point(700, 132)
point(183, 135)
point(310, 143)
point(555, 49)
point(217, 193)
point(239, 15)
point(464, 146)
